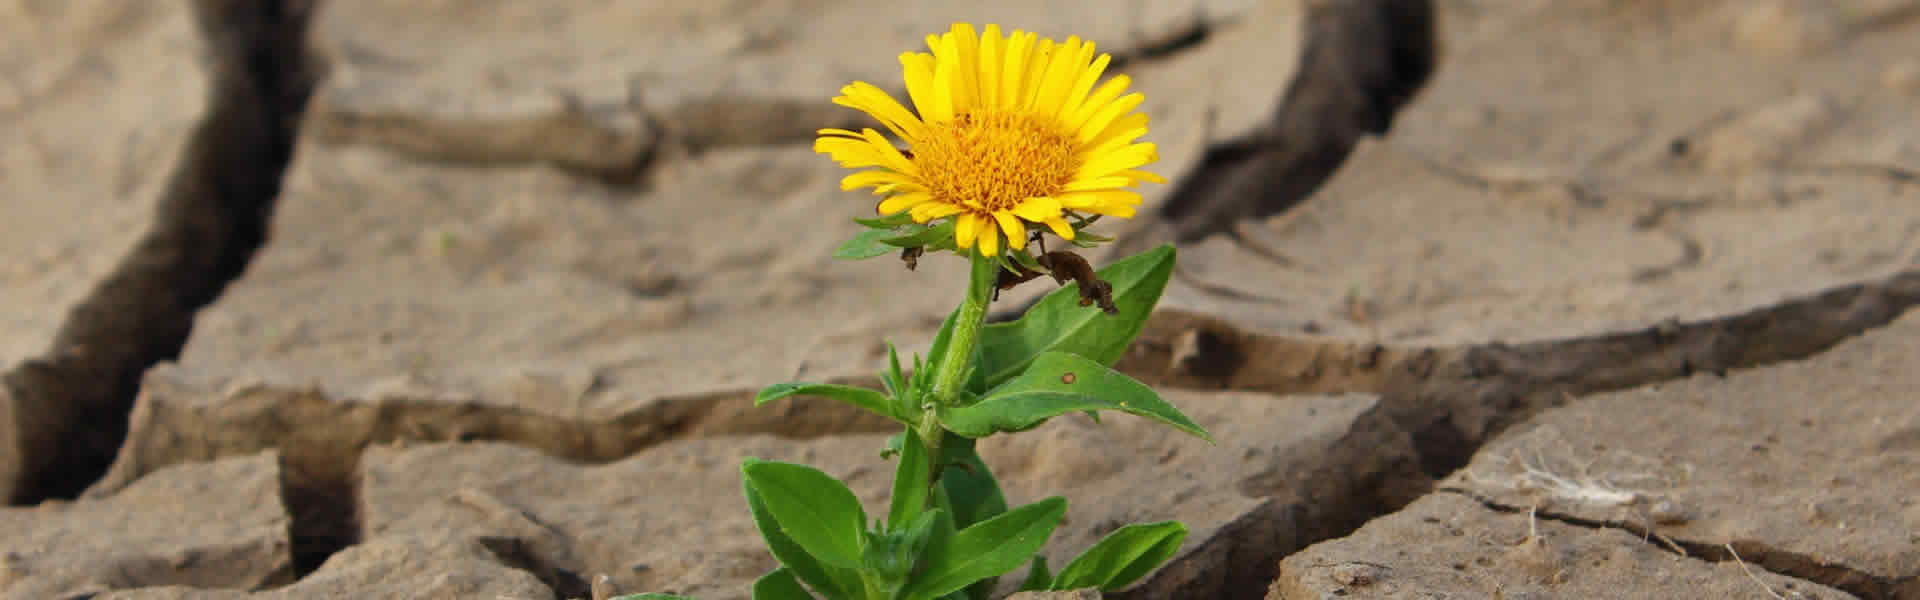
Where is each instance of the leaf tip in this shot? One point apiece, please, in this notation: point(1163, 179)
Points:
point(773, 392)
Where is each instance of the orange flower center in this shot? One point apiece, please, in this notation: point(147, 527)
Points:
point(989, 161)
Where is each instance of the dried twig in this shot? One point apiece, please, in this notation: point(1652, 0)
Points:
point(1750, 575)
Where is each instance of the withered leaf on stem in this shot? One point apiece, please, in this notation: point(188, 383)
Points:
point(1065, 265)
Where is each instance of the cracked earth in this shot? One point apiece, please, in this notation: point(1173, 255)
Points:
point(458, 299)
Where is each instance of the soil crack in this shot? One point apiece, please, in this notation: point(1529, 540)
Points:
point(1777, 561)
point(1455, 401)
point(211, 218)
point(1481, 390)
point(1362, 63)
point(1439, 406)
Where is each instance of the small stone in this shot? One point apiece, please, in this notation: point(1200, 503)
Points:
point(1544, 561)
point(1768, 136)
point(1902, 77)
point(1357, 574)
point(1788, 27)
point(1668, 512)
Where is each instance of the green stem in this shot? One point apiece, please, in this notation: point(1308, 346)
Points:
point(953, 367)
point(966, 331)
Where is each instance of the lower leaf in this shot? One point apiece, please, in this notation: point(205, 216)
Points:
point(1038, 579)
point(779, 585)
point(833, 581)
point(872, 400)
point(989, 548)
point(812, 508)
point(972, 493)
point(1122, 557)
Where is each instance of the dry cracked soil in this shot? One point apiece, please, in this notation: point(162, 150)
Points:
point(313, 299)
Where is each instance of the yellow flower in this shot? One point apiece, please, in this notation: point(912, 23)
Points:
point(1010, 131)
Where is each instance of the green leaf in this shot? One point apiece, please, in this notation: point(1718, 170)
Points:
point(1056, 384)
point(1122, 557)
point(912, 481)
point(779, 585)
point(1059, 323)
point(1007, 262)
point(1148, 561)
point(940, 534)
point(968, 490)
point(887, 222)
point(893, 379)
point(830, 580)
point(920, 235)
point(894, 443)
point(864, 245)
point(813, 508)
point(872, 400)
point(1037, 577)
point(937, 353)
point(967, 485)
point(931, 524)
point(990, 548)
point(1026, 260)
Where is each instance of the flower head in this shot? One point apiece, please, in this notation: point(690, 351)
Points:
point(1008, 132)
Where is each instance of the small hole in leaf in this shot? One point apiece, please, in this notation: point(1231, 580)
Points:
point(1068, 378)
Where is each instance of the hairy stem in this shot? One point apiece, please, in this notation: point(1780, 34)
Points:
point(953, 367)
point(966, 331)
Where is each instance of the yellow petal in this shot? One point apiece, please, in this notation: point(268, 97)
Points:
point(1058, 78)
point(967, 72)
point(1016, 230)
point(991, 51)
point(1038, 209)
point(872, 100)
point(898, 187)
point(1146, 176)
point(1036, 69)
point(928, 211)
point(947, 72)
point(1078, 94)
point(1120, 132)
point(1014, 71)
point(1097, 183)
point(868, 179)
point(941, 108)
point(895, 204)
point(894, 159)
point(1097, 123)
point(1115, 162)
point(1060, 227)
point(1118, 203)
point(1092, 200)
point(1124, 211)
point(1100, 99)
point(965, 228)
point(852, 153)
point(918, 71)
point(989, 241)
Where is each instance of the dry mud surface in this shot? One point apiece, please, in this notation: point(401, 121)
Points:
point(1482, 298)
